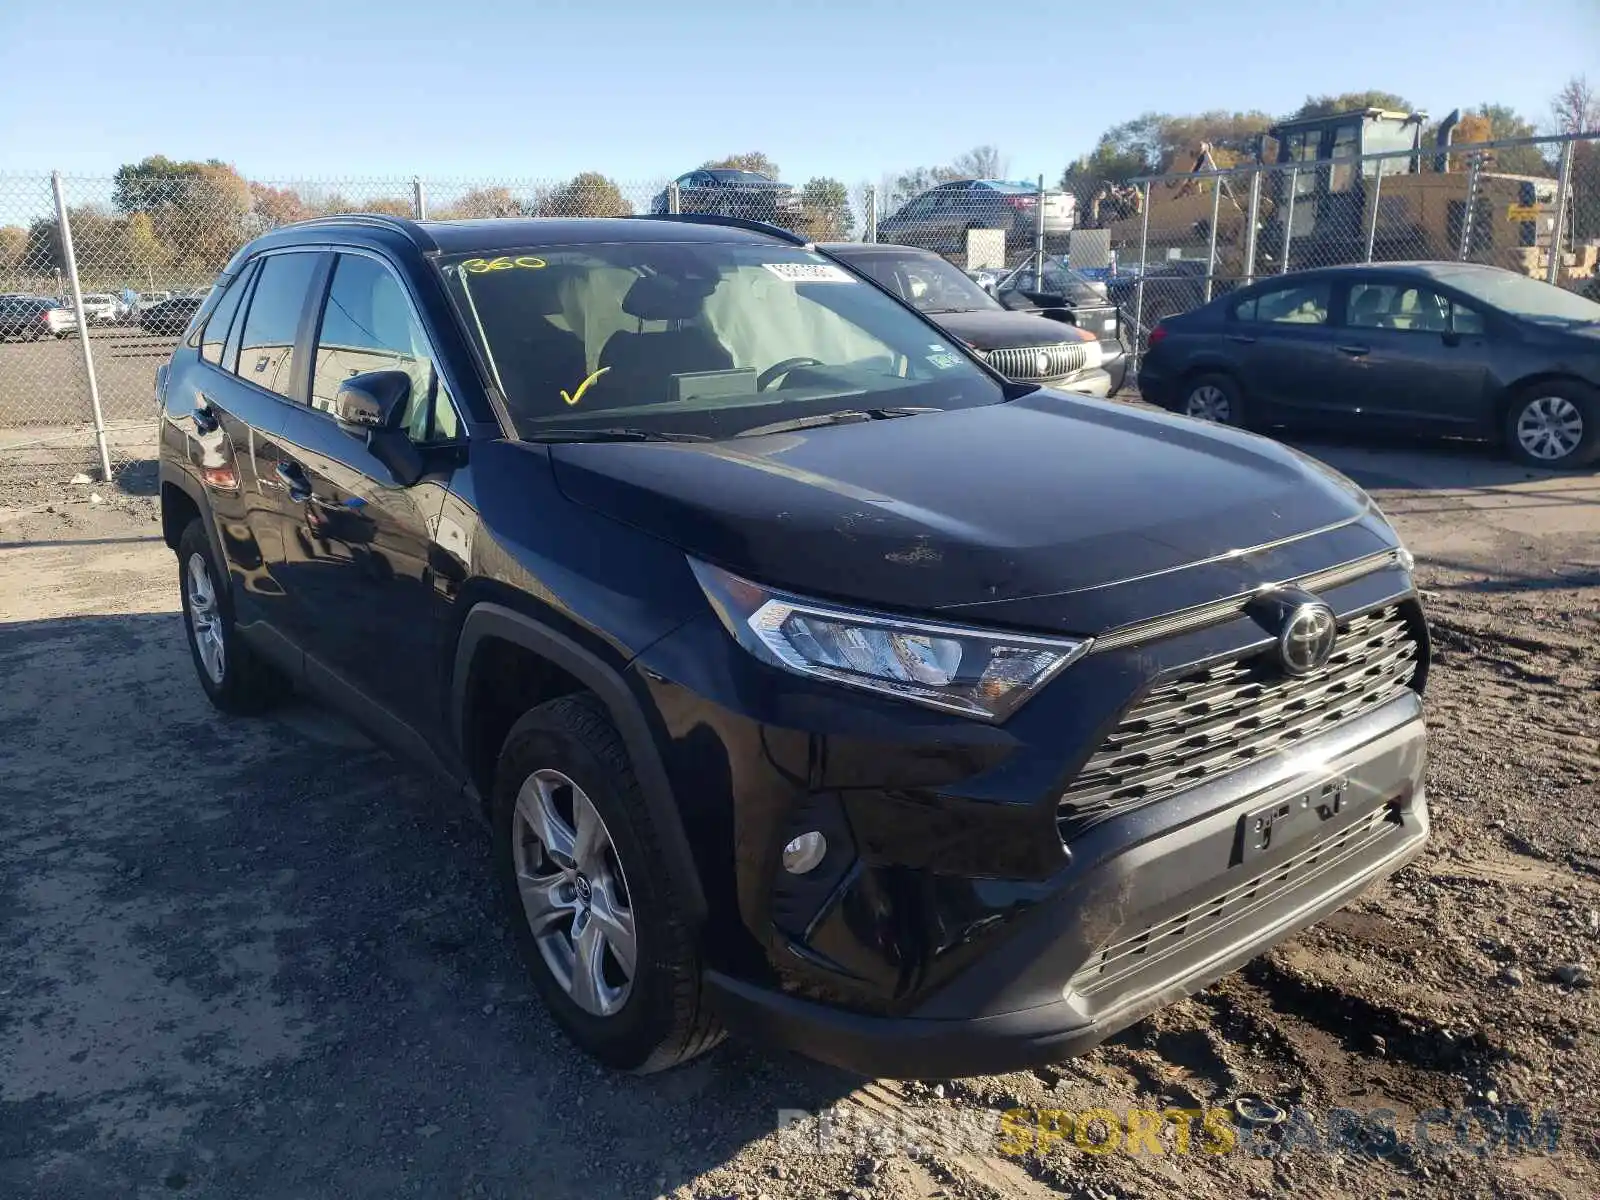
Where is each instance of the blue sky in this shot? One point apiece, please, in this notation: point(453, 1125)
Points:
point(644, 89)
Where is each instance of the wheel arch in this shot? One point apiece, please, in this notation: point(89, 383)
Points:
point(488, 623)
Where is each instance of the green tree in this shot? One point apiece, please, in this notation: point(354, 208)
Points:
point(825, 208)
point(753, 160)
point(199, 210)
point(1323, 106)
point(1504, 123)
point(589, 194)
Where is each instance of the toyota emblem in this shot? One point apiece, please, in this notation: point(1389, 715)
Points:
point(1306, 640)
point(1305, 627)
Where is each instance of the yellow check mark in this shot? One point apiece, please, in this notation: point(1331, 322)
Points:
point(582, 387)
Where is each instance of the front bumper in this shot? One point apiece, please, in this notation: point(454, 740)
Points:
point(1153, 906)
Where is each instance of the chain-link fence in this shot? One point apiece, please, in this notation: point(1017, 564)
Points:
point(1530, 205)
point(99, 276)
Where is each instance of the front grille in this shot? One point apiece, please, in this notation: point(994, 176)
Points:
point(1212, 721)
point(1252, 905)
point(1024, 363)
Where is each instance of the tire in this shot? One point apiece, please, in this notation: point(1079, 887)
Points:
point(555, 758)
point(1213, 397)
point(1554, 425)
point(236, 679)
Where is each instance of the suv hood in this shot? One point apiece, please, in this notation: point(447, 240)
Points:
point(1048, 512)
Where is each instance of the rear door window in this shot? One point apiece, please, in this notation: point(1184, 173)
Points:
point(215, 339)
point(266, 349)
point(1300, 304)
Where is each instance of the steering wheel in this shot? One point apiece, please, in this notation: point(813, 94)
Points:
point(778, 370)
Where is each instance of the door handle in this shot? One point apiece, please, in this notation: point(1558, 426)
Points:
point(1242, 339)
point(1354, 351)
point(205, 418)
point(293, 478)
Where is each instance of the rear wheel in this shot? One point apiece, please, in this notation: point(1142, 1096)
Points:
point(596, 915)
point(1554, 425)
point(1213, 397)
point(234, 677)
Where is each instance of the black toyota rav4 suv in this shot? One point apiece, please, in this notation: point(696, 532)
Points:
point(817, 682)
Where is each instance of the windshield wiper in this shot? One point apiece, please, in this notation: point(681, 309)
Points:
point(610, 434)
point(845, 416)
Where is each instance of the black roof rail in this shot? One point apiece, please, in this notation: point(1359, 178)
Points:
point(418, 236)
point(777, 231)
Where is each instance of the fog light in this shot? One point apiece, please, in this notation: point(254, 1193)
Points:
point(804, 853)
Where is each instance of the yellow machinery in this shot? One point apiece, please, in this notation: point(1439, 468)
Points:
point(1316, 210)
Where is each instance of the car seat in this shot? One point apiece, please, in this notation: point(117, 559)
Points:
point(641, 364)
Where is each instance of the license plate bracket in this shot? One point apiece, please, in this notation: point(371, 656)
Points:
point(1287, 818)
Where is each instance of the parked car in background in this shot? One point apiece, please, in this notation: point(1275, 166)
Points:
point(814, 681)
point(1024, 347)
point(733, 193)
point(170, 316)
point(147, 301)
point(100, 308)
point(940, 217)
point(35, 317)
point(1431, 347)
point(1064, 295)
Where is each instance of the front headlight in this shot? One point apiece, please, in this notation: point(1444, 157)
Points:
point(969, 671)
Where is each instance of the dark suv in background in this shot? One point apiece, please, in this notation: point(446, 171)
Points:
point(816, 682)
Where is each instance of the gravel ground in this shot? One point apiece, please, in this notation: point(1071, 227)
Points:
point(259, 958)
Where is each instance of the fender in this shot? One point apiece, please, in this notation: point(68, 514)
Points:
point(192, 488)
point(488, 619)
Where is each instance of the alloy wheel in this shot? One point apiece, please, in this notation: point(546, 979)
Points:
point(1550, 428)
point(574, 894)
point(1209, 403)
point(205, 619)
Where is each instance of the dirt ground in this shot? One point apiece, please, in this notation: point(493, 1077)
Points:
point(259, 958)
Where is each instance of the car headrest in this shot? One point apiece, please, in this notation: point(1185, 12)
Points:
point(667, 297)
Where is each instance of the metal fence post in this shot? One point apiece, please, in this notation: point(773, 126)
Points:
point(1211, 242)
point(1288, 220)
point(1038, 232)
point(419, 199)
point(1563, 186)
point(67, 253)
point(1138, 289)
point(1474, 167)
point(870, 234)
point(674, 198)
point(1372, 217)
point(1252, 219)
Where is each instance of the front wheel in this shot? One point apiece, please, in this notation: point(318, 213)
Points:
point(596, 914)
point(1554, 425)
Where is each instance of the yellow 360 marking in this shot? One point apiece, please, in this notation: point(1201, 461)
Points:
point(582, 387)
point(478, 266)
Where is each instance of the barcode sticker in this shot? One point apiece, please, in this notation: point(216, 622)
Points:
point(810, 272)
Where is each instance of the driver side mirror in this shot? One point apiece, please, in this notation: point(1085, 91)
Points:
point(372, 407)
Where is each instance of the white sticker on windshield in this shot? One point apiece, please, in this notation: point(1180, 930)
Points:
point(810, 272)
point(944, 361)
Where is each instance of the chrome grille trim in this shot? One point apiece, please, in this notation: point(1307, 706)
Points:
point(1022, 362)
point(1215, 720)
point(1223, 610)
point(1116, 964)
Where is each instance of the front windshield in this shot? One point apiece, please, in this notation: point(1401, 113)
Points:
point(924, 281)
point(1526, 297)
point(707, 338)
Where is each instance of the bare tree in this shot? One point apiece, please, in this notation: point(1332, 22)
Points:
point(1576, 107)
point(981, 162)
